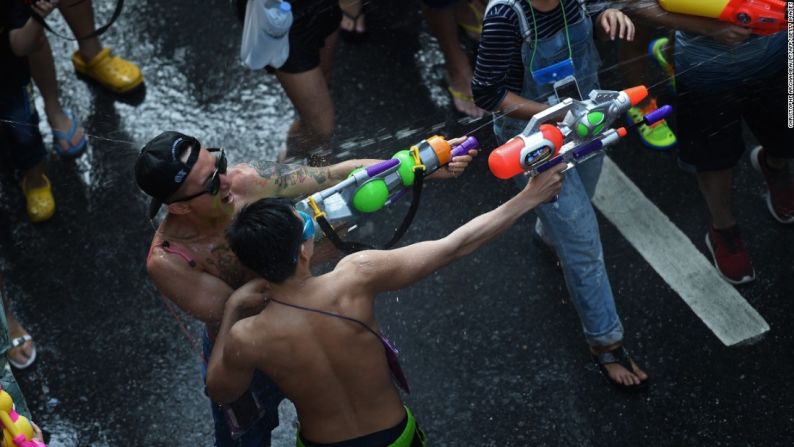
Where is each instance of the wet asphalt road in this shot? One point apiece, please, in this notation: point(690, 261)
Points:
point(492, 345)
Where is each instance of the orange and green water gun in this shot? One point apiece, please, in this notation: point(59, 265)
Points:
point(763, 17)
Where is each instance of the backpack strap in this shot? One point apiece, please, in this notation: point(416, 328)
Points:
point(523, 23)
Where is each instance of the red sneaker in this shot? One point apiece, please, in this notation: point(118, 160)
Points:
point(729, 254)
point(780, 188)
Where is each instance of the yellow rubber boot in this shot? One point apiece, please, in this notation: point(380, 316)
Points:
point(40, 202)
point(112, 72)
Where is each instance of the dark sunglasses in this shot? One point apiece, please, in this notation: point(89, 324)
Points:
point(213, 184)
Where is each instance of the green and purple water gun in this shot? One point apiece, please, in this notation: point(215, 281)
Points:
point(370, 189)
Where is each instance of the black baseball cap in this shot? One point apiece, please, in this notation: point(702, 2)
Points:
point(159, 172)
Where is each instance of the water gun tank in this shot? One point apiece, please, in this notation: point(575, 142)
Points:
point(764, 17)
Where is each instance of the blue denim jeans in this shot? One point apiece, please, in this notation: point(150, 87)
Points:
point(21, 140)
point(570, 222)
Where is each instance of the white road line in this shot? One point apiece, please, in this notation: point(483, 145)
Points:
point(685, 269)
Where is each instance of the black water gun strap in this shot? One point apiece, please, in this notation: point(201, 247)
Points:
point(352, 246)
point(96, 33)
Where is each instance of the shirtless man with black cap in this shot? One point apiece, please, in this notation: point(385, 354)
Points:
point(190, 261)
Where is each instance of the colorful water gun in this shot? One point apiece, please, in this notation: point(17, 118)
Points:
point(763, 17)
point(17, 430)
point(369, 189)
point(583, 132)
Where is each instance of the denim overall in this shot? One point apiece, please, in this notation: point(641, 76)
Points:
point(570, 223)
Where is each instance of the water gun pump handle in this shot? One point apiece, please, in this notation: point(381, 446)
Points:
point(464, 148)
point(658, 114)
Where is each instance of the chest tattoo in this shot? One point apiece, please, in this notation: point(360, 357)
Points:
point(227, 266)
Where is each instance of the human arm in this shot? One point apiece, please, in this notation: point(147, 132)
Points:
point(457, 165)
point(28, 38)
point(196, 292)
point(376, 271)
point(718, 30)
point(498, 72)
point(262, 179)
point(232, 363)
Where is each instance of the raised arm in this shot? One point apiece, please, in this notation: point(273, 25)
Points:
point(261, 179)
point(499, 61)
point(376, 271)
point(716, 29)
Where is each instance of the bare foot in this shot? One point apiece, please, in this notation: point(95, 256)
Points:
point(618, 373)
point(60, 121)
point(352, 17)
point(22, 353)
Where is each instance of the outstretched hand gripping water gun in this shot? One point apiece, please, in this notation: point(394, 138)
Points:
point(17, 430)
point(582, 134)
point(369, 189)
point(763, 17)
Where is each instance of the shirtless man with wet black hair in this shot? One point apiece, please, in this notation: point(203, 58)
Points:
point(317, 336)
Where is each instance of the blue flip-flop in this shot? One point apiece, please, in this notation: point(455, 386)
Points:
point(74, 150)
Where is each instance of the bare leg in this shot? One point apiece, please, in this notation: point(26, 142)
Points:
point(311, 132)
point(309, 92)
point(79, 15)
point(444, 27)
point(327, 56)
point(617, 372)
point(42, 69)
point(716, 189)
point(21, 353)
point(34, 177)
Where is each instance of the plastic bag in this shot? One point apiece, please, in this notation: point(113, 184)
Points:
point(265, 34)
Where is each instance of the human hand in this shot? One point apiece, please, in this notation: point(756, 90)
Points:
point(38, 436)
point(43, 7)
point(249, 299)
point(727, 33)
point(614, 22)
point(544, 187)
point(457, 164)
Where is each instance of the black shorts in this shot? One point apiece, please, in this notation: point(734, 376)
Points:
point(312, 22)
point(709, 124)
point(439, 4)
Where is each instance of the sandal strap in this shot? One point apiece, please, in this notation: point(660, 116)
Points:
point(69, 134)
point(352, 17)
point(19, 341)
point(618, 355)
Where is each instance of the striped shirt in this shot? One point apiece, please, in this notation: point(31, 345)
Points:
point(499, 67)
